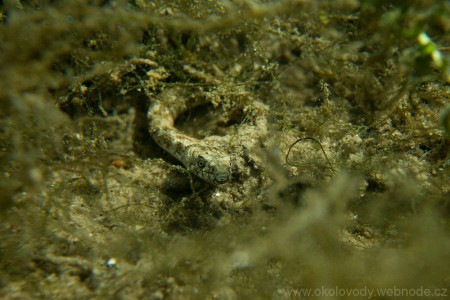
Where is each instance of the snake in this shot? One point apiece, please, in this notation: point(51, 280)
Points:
point(201, 158)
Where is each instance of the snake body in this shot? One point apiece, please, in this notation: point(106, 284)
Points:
point(202, 159)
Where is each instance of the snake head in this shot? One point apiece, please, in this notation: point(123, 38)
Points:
point(210, 164)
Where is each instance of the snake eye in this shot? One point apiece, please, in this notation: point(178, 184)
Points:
point(201, 162)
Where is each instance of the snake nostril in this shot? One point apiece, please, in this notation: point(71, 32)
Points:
point(221, 178)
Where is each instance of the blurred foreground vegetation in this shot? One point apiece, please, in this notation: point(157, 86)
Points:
point(90, 208)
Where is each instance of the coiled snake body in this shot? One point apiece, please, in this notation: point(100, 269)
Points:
point(204, 160)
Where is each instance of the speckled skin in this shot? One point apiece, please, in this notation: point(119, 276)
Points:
point(207, 162)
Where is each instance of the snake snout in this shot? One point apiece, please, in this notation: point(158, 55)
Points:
point(209, 163)
point(222, 178)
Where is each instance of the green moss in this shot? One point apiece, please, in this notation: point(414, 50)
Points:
point(82, 182)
